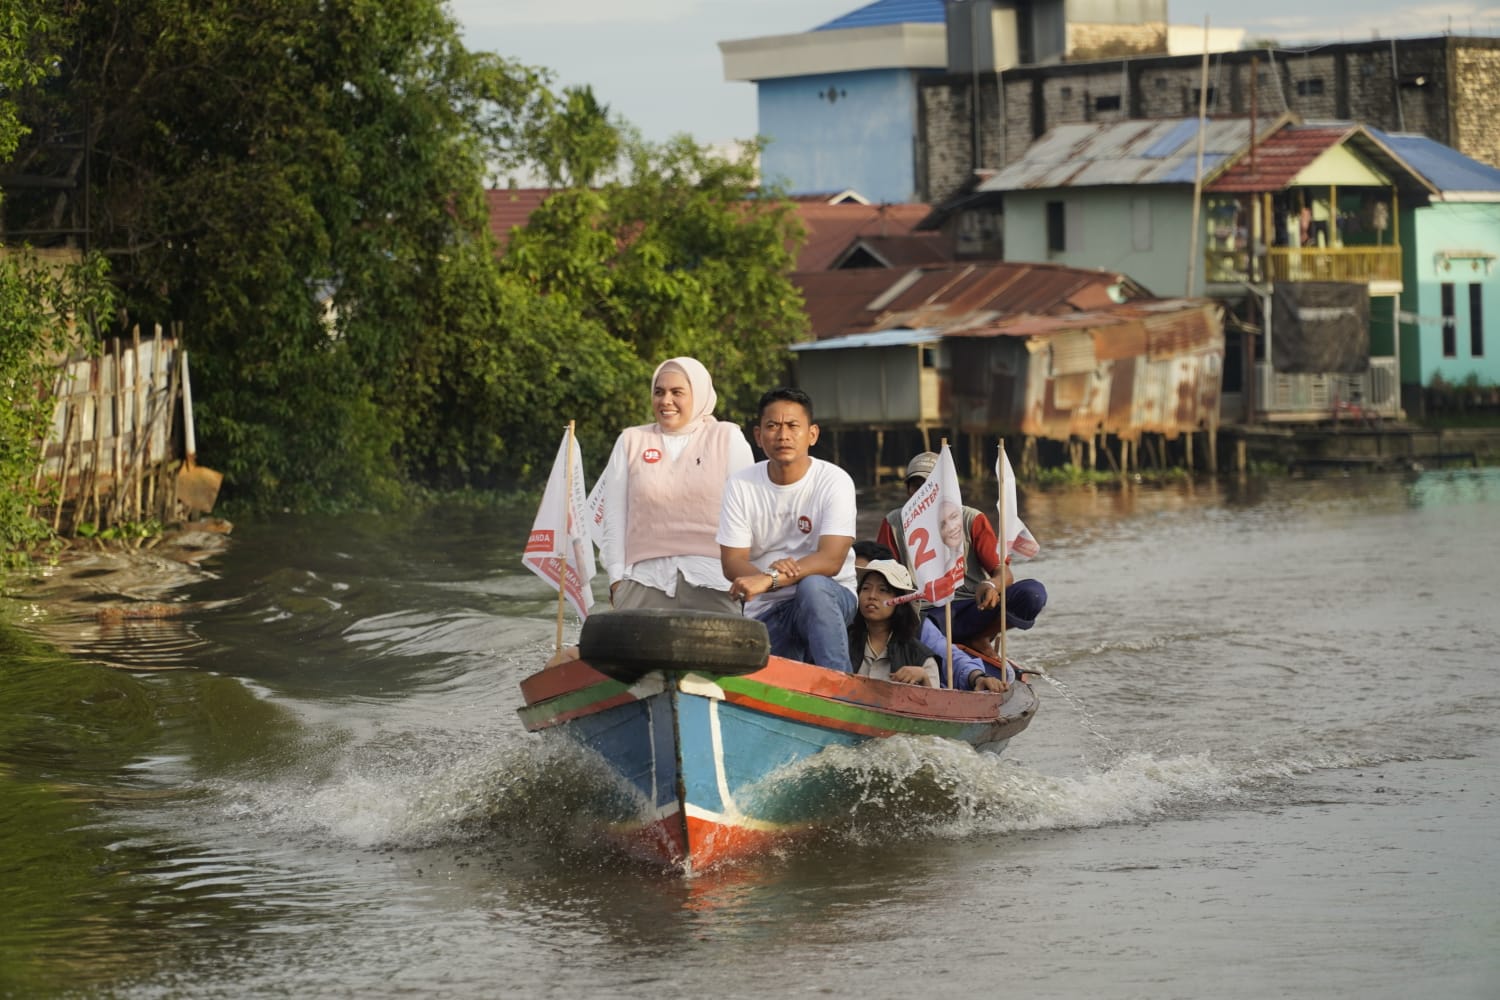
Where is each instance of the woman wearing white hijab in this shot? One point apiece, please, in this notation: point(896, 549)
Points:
point(662, 491)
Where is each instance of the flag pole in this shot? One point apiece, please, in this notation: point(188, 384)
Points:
point(562, 564)
point(948, 626)
point(1004, 556)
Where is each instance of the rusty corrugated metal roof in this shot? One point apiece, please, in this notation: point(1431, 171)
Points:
point(1279, 158)
point(1152, 315)
point(835, 301)
point(952, 297)
point(1142, 151)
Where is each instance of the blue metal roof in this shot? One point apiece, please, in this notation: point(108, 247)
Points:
point(900, 337)
point(1173, 140)
point(1446, 168)
point(883, 12)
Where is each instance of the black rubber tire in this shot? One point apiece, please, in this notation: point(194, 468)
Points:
point(629, 644)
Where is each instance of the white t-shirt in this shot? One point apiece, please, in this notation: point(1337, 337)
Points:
point(779, 522)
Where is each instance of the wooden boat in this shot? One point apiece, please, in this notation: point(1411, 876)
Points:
point(694, 716)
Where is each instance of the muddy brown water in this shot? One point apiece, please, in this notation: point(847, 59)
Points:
point(1265, 765)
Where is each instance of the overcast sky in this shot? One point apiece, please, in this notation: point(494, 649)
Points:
point(656, 63)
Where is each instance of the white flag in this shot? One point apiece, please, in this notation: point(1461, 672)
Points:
point(1015, 537)
point(558, 550)
point(597, 509)
point(933, 524)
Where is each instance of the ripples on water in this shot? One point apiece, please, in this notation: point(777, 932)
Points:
point(312, 779)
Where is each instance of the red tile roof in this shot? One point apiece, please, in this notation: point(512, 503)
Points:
point(909, 250)
point(511, 207)
point(832, 229)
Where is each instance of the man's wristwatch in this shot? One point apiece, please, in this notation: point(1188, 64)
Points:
point(775, 577)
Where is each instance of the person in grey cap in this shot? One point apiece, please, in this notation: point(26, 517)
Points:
point(976, 603)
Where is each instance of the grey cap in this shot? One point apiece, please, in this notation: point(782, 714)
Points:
point(921, 465)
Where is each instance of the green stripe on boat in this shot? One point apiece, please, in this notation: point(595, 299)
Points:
point(843, 711)
point(565, 703)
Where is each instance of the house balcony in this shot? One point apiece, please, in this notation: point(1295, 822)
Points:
point(1365, 265)
point(1337, 396)
point(1376, 266)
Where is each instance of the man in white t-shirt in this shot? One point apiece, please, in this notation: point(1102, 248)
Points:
point(785, 535)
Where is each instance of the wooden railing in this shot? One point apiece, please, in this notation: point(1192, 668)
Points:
point(1362, 264)
point(1359, 264)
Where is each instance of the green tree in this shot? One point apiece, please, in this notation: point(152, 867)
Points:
point(681, 255)
point(38, 300)
point(577, 143)
point(289, 180)
point(298, 186)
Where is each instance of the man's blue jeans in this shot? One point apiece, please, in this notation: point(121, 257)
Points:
point(813, 624)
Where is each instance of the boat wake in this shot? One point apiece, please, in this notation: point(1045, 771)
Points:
point(548, 797)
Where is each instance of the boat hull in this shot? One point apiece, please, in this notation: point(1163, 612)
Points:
point(706, 755)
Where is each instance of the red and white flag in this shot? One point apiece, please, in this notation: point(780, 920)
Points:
point(597, 509)
point(933, 524)
point(558, 550)
point(1015, 537)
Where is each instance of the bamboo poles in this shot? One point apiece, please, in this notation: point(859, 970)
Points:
point(113, 430)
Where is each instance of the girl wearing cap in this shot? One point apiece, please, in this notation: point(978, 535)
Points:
point(661, 494)
point(883, 639)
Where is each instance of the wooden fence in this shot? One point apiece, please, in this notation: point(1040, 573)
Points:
point(110, 455)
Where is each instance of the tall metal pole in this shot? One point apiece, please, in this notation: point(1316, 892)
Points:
point(1198, 173)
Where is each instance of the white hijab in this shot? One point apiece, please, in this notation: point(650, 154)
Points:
point(702, 384)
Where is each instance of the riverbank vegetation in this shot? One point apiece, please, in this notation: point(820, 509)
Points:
point(299, 190)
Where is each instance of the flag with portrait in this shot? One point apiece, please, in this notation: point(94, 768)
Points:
point(932, 525)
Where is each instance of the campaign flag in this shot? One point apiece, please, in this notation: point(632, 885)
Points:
point(558, 550)
point(1015, 537)
point(597, 509)
point(932, 522)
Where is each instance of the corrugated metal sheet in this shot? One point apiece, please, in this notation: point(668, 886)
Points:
point(1072, 353)
point(1124, 153)
point(1135, 368)
point(883, 12)
point(1445, 168)
point(1125, 339)
point(1279, 158)
point(901, 337)
point(953, 298)
point(837, 302)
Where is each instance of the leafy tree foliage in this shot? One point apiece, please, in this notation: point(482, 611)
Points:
point(38, 300)
point(678, 256)
point(298, 186)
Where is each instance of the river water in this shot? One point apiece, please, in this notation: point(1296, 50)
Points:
point(1267, 763)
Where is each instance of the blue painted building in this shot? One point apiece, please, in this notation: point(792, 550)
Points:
point(1449, 321)
point(841, 105)
point(838, 104)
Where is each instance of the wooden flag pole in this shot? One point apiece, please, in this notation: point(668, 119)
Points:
point(562, 566)
point(948, 624)
point(1004, 561)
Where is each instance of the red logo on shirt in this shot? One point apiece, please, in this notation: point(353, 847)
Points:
point(804, 524)
point(651, 456)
